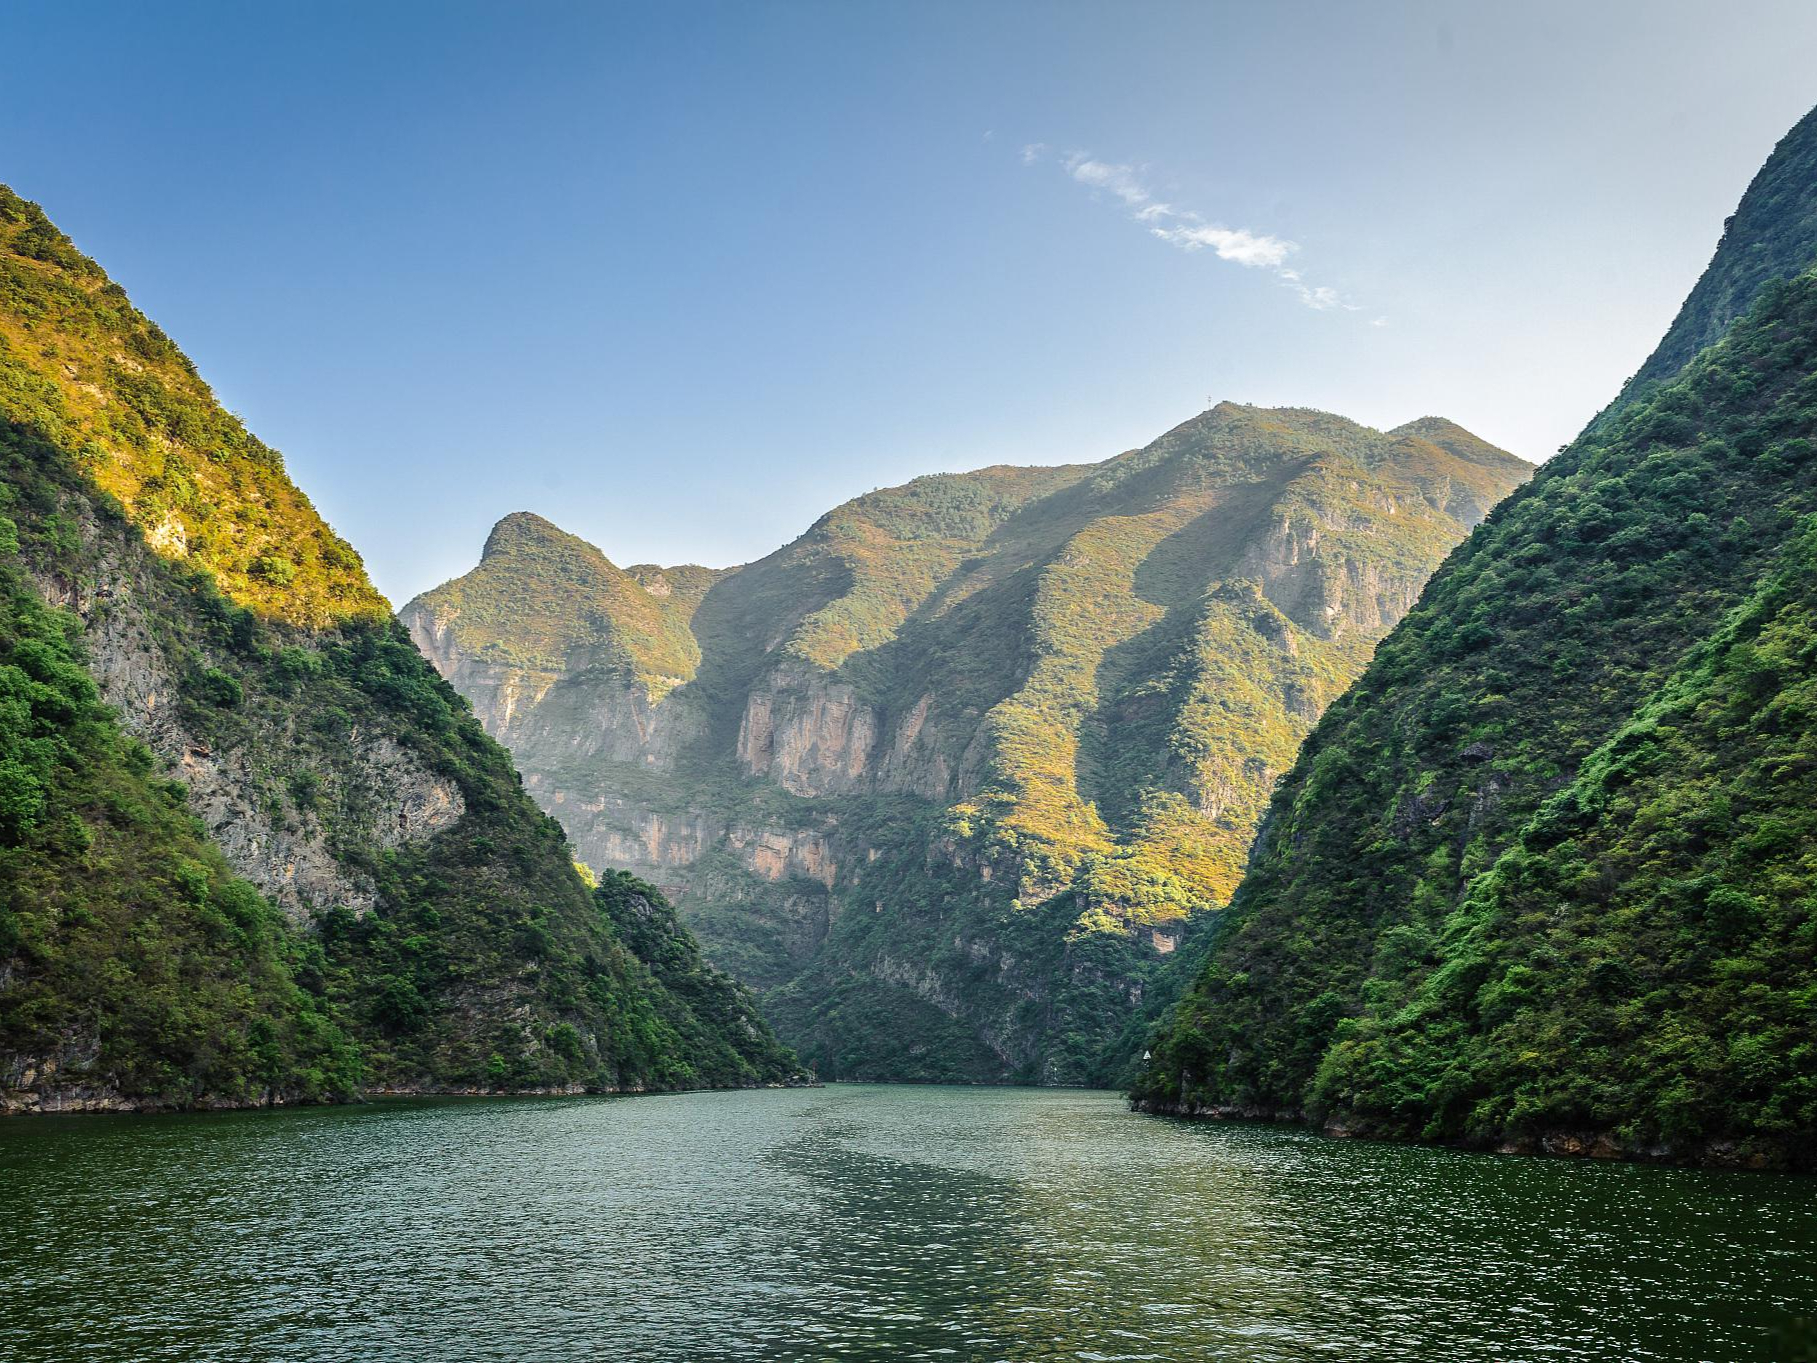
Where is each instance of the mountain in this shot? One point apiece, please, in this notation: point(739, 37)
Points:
point(1542, 878)
point(1772, 235)
point(252, 848)
point(955, 774)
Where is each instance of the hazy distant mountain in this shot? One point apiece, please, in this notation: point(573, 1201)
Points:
point(954, 773)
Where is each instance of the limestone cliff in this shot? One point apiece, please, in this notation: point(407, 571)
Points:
point(368, 781)
point(954, 773)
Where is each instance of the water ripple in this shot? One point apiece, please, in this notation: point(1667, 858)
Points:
point(866, 1222)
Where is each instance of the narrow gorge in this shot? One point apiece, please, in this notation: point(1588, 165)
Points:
point(957, 777)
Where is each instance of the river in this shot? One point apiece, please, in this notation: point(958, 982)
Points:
point(866, 1222)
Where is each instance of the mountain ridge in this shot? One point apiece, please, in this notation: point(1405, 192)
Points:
point(911, 715)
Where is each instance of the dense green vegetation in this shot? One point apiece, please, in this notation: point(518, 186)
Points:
point(714, 1022)
point(629, 625)
point(1644, 959)
point(959, 766)
point(430, 912)
point(1772, 235)
point(1546, 867)
point(134, 958)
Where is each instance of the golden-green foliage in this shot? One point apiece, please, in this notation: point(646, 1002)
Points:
point(895, 547)
point(81, 365)
point(544, 599)
point(128, 954)
point(1176, 653)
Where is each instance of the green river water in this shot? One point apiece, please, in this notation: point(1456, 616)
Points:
point(866, 1222)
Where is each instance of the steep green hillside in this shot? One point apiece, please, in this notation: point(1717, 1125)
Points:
point(1644, 959)
point(1542, 875)
point(430, 912)
point(960, 767)
point(1772, 235)
point(119, 922)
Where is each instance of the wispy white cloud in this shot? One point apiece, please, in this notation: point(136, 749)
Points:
point(1254, 249)
point(1189, 231)
point(1320, 299)
point(1123, 181)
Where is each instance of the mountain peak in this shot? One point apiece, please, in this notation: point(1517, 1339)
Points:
point(1428, 426)
point(539, 593)
point(1463, 444)
point(1771, 235)
point(523, 530)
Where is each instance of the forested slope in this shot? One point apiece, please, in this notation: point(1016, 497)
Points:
point(953, 774)
point(1542, 877)
point(405, 916)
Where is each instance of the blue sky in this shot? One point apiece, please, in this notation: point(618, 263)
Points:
point(683, 277)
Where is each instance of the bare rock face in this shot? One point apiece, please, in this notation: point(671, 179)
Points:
point(387, 792)
point(291, 861)
point(913, 762)
point(811, 737)
point(582, 712)
point(773, 855)
point(785, 875)
point(1304, 568)
point(588, 737)
point(815, 737)
point(658, 846)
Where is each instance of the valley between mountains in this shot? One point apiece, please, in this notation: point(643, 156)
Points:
point(958, 775)
point(1282, 768)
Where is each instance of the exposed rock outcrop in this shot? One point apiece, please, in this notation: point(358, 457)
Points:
point(370, 781)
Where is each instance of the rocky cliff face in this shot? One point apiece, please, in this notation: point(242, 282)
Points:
point(953, 774)
point(582, 710)
point(815, 736)
point(369, 780)
point(808, 736)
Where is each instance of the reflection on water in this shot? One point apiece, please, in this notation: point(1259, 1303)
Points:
point(866, 1222)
